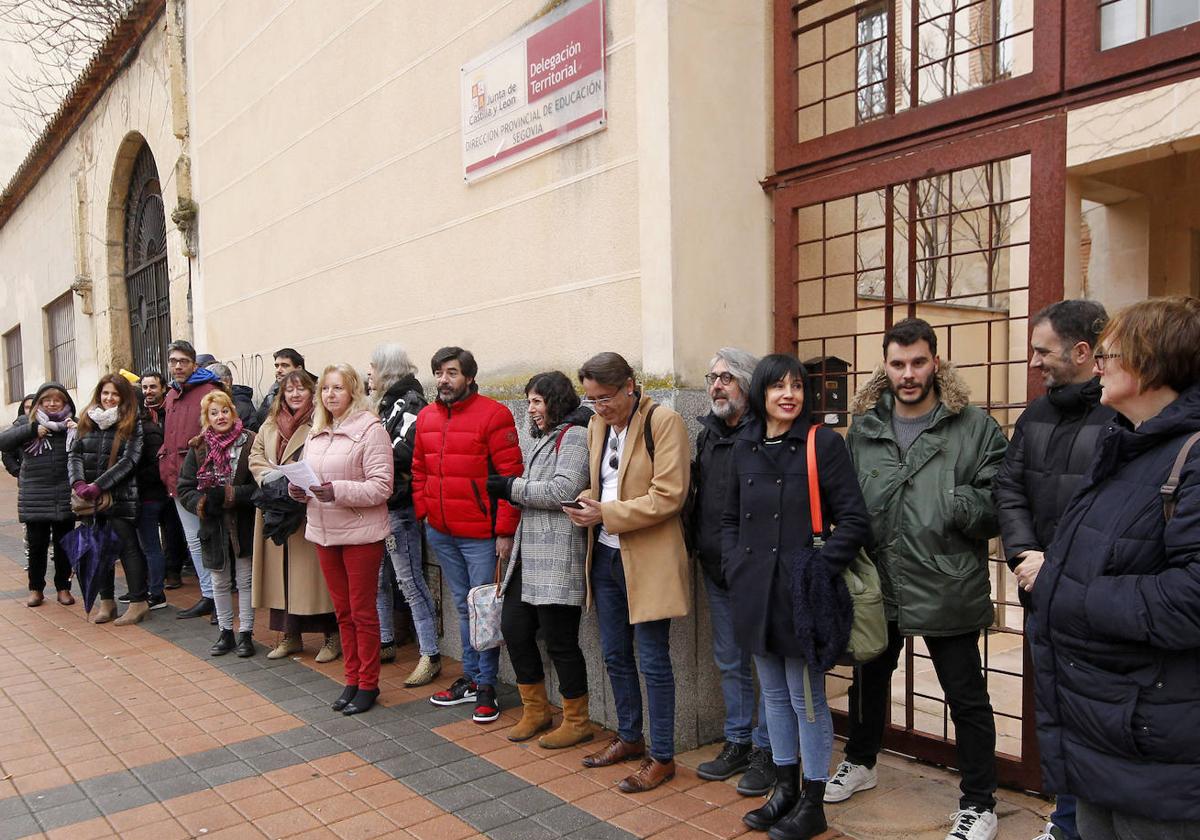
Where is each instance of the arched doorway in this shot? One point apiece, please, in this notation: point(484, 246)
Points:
point(147, 282)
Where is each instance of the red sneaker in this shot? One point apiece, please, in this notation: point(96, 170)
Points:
point(462, 691)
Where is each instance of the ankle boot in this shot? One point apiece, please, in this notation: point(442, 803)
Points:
point(245, 644)
point(364, 700)
point(106, 612)
point(224, 643)
point(535, 712)
point(136, 612)
point(575, 728)
point(783, 799)
point(807, 819)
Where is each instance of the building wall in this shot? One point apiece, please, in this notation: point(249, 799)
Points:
point(70, 227)
point(329, 179)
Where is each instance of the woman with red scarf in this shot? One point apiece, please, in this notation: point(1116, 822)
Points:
point(216, 485)
point(287, 574)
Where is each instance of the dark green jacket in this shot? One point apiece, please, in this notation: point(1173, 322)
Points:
point(932, 512)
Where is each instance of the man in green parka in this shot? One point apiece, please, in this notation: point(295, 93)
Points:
point(925, 459)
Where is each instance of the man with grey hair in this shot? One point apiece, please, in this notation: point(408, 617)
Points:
point(746, 746)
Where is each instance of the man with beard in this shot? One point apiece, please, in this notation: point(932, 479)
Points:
point(925, 459)
point(746, 745)
point(461, 438)
point(1050, 454)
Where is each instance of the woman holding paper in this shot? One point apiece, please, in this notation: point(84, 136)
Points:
point(287, 578)
point(350, 455)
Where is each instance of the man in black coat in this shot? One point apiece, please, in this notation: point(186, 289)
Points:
point(156, 510)
point(286, 361)
point(1051, 453)
point(747, 747)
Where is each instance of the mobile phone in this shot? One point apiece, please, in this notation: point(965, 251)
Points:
point(573, 505)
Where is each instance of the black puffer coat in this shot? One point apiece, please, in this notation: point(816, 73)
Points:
point(88, 462)
point(12, 457)
point(767, 517)
point(43, 494)
point(1047, 460)
point(398, 409)
point(149, 482)
point(1117, 617)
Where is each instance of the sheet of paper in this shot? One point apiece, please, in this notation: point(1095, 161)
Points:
point(300, 474)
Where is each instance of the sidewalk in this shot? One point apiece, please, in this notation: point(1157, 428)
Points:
point(136, 732)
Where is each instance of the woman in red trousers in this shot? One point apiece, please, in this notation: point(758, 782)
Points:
point(350, 454)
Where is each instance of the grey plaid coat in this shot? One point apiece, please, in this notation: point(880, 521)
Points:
point(552, 552)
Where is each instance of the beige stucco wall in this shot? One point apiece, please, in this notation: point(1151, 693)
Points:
point(70, 226)
point(333, 213)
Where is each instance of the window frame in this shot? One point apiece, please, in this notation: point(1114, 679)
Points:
point(53, 346)
point(17, 394)
point(1085, 63)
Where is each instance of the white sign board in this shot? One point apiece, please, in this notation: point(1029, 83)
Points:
point(540, 89)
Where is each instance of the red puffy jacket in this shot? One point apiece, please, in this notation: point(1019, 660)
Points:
point(455, 448)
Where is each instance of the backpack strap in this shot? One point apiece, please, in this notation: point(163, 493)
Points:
point(561, 435)
point(814, 488)
point(1171, 488)
point(648, 431)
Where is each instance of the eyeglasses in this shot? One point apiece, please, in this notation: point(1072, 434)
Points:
point(600, 402)
point(614, 460)
point(179, 362)
point(725, 377)
point(1102, 358)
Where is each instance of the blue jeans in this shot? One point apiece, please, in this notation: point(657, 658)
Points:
point(191, 532)
point(737, 674)
point(148, 520)
point(404, 549)
point(466, 563)
point(1064, 816)
point(787, 718)
point(617, 637)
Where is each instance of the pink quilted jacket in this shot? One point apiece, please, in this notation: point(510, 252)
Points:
point(356, 458)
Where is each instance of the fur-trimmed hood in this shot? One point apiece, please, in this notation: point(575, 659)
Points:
point(952, 390)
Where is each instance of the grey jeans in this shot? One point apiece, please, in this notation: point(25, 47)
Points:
point(222, 584)
point(1096, 823)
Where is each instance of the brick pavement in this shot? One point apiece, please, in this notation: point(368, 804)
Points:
point(136, 732)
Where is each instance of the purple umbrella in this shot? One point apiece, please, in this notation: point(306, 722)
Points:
point(93, 550)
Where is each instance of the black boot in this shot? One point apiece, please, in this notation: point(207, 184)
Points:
point(223, 644)
point(807, 819)
point(344, 698)
point(202, 607)
point(245, 645)
point(783, 799)
point(362, 702)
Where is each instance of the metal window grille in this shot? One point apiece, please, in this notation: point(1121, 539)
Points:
point(869, 59)
point(60, 319)
point(14, 367)
point(1125, 21)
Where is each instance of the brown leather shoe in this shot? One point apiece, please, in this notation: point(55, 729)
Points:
point(614, 751)
point(650, 775)
point(35, 598)
point(65, 598)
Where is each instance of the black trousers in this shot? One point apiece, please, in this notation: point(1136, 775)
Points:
point(559, 624)
point(960, 672)
point(38, 538)
point(132, 560)
point(175, 548)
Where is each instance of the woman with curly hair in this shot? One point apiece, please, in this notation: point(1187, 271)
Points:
point(103, 460)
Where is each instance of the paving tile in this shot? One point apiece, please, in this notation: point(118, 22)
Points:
point(488, 815)
point(381, 749)
point(18, 826)
point(175, 786)
point(565, 818)
point(54, 797)
point(530, 800)
point(453, 799)
point(339, 807)
point(287, 823)
point(267, 762)
point(363, 827)
point(225, 773)
point(445, 827)
point(524, 829)
point(264, 805)
point(430, 780)
point(123, 800)
point(64, 815)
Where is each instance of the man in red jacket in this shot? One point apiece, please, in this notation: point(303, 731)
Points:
point(460, 438)
point(181, 423)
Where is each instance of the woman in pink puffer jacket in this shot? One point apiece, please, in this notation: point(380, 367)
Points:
point(351, 455)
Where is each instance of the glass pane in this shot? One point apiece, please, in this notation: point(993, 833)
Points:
point(1166, 15)
point(1119, 24)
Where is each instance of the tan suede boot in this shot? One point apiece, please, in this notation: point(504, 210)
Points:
point(136, 612)
point(105, 612)
point(535, 713)
point(575, 727)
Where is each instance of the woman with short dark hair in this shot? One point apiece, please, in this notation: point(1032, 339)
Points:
point(544, 584)
point(769, 553)
point(1117, 601)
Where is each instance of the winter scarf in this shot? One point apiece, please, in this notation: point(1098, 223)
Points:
point(287, 422)
point(56, 422)
point(104, 417)
point(216, 469)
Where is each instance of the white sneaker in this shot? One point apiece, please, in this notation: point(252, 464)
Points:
point(1050, 832)
point(970, 824)
point(849, 780)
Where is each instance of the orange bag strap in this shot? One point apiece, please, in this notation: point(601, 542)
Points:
point(814, 487)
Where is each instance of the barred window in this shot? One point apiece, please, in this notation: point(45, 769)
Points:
point(14, 367)
point(60, 321)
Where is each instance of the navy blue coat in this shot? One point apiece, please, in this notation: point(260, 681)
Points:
point(767, 516)
point(1117, 612)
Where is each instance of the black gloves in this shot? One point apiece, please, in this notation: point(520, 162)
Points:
point(215, 499)
point(500, 487)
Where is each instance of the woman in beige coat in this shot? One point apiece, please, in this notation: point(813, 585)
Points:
point(287, 578)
